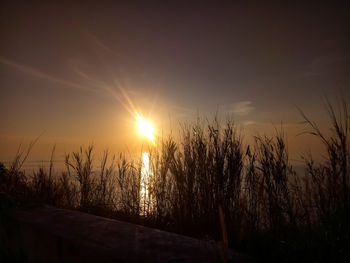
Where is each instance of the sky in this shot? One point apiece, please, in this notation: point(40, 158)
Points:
point(72, 72)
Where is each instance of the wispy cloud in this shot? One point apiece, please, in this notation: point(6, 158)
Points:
point(42, 75)
point(240, 108)
point(116, 90)
point(248, 123)
point(326, 60)
point(319, 63)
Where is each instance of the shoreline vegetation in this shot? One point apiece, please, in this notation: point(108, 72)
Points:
point(211, 186)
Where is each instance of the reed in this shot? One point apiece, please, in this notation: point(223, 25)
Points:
point(210, 185)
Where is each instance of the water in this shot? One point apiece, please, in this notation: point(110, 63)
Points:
point(145, 197)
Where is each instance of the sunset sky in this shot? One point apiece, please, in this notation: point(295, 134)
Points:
point(68, 69)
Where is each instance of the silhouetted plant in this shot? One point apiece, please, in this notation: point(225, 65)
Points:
point(209, 185)
point(330, 179)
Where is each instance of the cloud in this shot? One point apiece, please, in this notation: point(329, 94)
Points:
point(240, 108)
point(42, 75)
point(319, 63)
point(326, 60)
point(117, 91)
point(248, 123)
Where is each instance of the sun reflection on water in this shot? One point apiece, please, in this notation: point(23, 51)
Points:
point(145, 199)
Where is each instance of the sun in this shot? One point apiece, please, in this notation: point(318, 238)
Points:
point(145, 128)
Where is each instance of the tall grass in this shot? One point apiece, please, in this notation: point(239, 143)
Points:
point(210, 185)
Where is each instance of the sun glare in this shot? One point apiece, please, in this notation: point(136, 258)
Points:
point(145, 128)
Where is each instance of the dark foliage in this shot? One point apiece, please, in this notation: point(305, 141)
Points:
point(211, 186)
